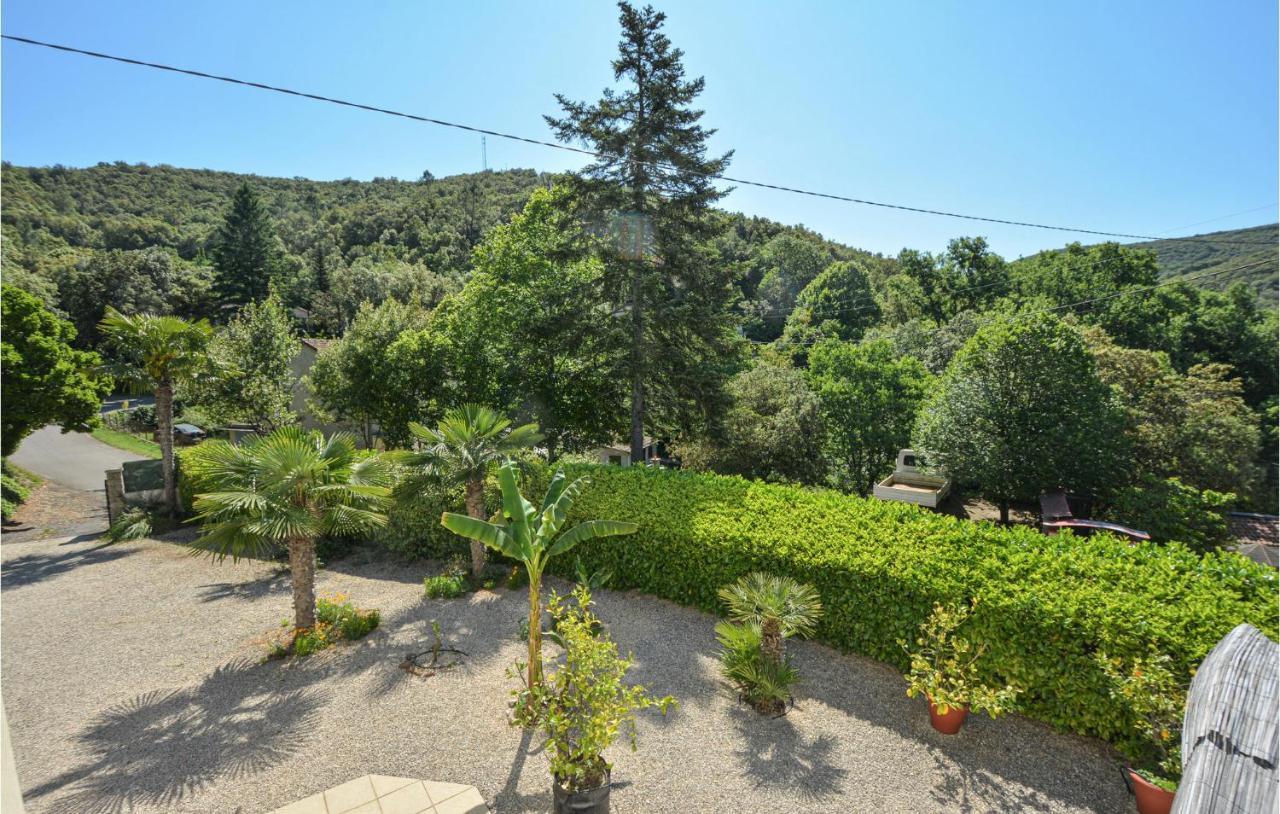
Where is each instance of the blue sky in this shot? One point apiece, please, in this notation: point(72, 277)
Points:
point(1136, 117)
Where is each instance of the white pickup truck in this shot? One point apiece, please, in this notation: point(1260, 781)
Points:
point(911, 483)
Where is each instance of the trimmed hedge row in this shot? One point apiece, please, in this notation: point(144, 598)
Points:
point(1046, 605)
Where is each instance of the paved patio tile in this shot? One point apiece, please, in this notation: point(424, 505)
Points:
point(381, 794)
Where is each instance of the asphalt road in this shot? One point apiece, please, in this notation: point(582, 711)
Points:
point(77, 460)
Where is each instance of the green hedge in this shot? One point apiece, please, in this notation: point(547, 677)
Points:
point(1045, 604)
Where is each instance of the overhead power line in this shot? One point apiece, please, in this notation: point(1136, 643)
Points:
point(605, 156)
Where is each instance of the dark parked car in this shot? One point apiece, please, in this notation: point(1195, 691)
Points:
point(185, 434)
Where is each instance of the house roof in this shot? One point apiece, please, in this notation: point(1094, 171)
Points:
point(315, 343)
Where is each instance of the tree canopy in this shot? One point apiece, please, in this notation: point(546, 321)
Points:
point(1021, 411)
point(46, 380)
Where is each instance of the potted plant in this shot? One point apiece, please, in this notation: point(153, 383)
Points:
point(583, 706)
point(944, 668)
point(1151, 690)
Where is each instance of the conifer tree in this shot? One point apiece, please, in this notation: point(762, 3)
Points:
point(244, 251)
point(653, 183)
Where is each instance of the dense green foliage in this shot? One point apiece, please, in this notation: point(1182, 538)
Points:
point(1045, 604)
point(771, 430)
point(15, 487)
point(244, 251)
point(1194, 426)
point(869, 399)
point(531, 331)
point(46, 381)
point(680, 330)
point(1021, 411)
point(386, 372)
point(248, 376)
point(1168, 509)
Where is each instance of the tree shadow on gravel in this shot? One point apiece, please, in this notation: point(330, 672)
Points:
point(483, 625)
point(1009, 764)
point(247, 591)
point(964, 789)
point(775, 755)
point(161, 747)
point(32, 568)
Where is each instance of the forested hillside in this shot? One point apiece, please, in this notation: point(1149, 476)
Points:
point(139, 237)
point(1219, 251)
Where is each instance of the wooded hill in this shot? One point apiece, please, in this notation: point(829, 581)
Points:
point(1180, 258)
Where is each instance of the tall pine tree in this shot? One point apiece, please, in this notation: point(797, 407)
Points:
point(653, 173)
point(244, 251)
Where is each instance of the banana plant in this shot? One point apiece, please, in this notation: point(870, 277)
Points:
point(533, 537)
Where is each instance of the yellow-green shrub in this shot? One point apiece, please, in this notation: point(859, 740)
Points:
point(1046, 604)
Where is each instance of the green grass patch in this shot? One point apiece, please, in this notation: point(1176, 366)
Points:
point(127, 442)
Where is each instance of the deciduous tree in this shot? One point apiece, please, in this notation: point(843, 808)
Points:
point(46, 381)
point(1021, 410)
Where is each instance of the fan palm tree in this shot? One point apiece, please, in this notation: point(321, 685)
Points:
point(462, 448)
point(532, 537)
point(780, 606)
point(156, 352)
point(286, 490)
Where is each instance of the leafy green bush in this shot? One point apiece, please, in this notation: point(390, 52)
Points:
point(336, 620)
point(413, 524)
point(585, 705)
point(15, 488)
point(1046, 604)
point(133, 524)
point(763, 683)
point(944, 666)
point(444, 586)
point(1171, 510)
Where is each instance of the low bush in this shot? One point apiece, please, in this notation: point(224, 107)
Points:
point(14, 488)
point(763, 683)
point(444, 586)
point(1046, 604)
point(336, 620)
point(1170, 510)
point(132, 524)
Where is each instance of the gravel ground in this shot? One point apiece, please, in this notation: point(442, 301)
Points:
point(133, 681)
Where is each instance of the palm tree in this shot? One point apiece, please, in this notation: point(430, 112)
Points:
point(530, 536)
point(287, 490)
point(157, 352)
point(462, 448)
point(780, 606)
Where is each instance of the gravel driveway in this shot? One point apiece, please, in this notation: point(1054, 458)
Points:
point(132, 681)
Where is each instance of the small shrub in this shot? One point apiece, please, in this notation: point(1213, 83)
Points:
point(336, 620)
point(517, 579)
point(944, 667)
point(1170, 510)
point(133, 524)
point(768, 610)
point(15, 488)
point(1149, 687)
point(444, 586)
point(584, 706)
point(763, 683)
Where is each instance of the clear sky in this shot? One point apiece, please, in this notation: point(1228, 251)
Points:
point(1126, 116)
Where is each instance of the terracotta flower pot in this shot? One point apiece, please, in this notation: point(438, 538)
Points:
point(950, 722)
point(1151, 799)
